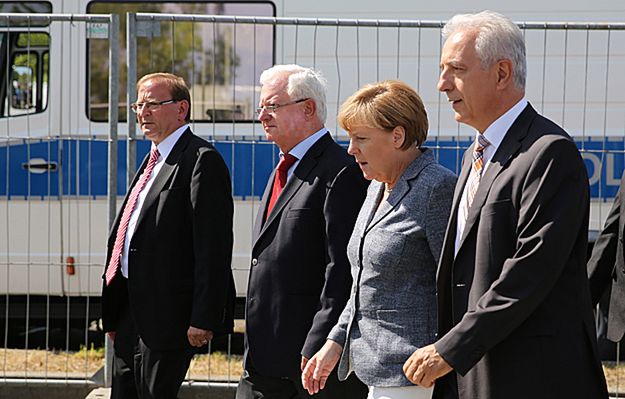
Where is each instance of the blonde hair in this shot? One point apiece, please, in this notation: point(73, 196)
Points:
point(386, 105)
point(175, 84)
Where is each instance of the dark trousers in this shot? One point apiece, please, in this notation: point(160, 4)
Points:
point(142, 373)
point(255, 386)
point(446, 387)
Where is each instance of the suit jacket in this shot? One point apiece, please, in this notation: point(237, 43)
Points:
point(606, 267)
point(179, 271)
point(299, 276)
point(515, 316)
point(393, 254)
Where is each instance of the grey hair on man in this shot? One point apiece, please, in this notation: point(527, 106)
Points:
point(302, 83)
point(498, 38)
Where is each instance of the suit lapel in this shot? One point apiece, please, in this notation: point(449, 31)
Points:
point(401, 188)
point(164, 174)
point(263, 207)
point(449, 242)
point(293, 184)
point(506, 151)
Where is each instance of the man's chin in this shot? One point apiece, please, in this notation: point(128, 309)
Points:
point(150, 135)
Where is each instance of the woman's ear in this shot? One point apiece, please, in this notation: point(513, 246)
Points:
point(399, 136)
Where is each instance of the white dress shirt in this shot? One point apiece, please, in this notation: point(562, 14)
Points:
point(495, 134)
point(164, 148)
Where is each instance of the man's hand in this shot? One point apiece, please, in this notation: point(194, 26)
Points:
point(198, 337)
point(319, 367)
point(425, 365)
point(111, 335)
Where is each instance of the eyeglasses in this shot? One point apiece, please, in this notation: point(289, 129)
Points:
point(150, 105)
point(273, 107)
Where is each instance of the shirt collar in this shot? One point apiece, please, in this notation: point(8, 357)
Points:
point(165, 146)
point(303, 146)
point(498, 129)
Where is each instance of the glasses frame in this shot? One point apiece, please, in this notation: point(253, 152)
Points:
point(152, 105)
point(271, 109)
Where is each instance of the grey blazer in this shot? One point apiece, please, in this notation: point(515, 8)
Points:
point(393, 255)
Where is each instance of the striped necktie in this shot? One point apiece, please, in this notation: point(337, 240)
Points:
point(476, 173)
point(123, 223)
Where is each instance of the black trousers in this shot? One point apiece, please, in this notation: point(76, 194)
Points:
point(255, 386)
point(142, 373)
point(446, 387)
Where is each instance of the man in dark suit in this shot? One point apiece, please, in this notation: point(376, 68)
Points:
point(606, 267)
point(299, 276)
point(168, 284)
point(515, 319)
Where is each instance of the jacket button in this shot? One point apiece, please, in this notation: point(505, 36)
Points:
point(254, 262)
point(133, 249)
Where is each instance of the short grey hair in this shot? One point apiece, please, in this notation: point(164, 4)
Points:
point(497, 38)
point(302, 83)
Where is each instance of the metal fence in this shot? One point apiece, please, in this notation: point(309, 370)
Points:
point(49, 230)
point(55, 222)
point(572, 79)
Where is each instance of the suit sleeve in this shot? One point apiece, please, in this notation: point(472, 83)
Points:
point(603, 259)
point(342, 204)
point(338, 333)
point(551, 202)
point(212, 209)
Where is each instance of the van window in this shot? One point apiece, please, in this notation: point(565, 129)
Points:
point(223, 81)
point(26, 75)
point(23, 7)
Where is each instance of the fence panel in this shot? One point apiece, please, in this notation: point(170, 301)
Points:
point(52, 225)
point(60, 158)
point(572, 79)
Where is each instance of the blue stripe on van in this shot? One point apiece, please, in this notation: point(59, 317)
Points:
point(86, 163)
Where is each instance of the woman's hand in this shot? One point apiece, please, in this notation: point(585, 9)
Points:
point(319, 367)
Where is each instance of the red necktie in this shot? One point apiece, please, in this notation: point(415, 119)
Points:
point(280, 180)
point(123, 223)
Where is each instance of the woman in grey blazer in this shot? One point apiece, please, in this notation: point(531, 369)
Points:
point(394, 248)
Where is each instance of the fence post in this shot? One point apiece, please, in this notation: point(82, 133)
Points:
point(112, 156)
point(131, 62)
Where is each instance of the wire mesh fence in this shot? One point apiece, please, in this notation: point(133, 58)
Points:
point(60, 159)
point(51, 221)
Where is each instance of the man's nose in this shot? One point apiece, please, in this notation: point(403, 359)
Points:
point(143, 111)
point(444, 83)
point(264, 115)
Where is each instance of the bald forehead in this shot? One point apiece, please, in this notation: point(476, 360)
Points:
point(152, 83)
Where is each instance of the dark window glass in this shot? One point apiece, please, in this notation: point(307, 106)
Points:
point(27, 89)
point(24, 8)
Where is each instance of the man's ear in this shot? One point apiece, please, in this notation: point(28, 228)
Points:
point(310, 108)
point(183, 108)
point(504, 73)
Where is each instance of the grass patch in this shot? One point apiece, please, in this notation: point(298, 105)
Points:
point(82, 364)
